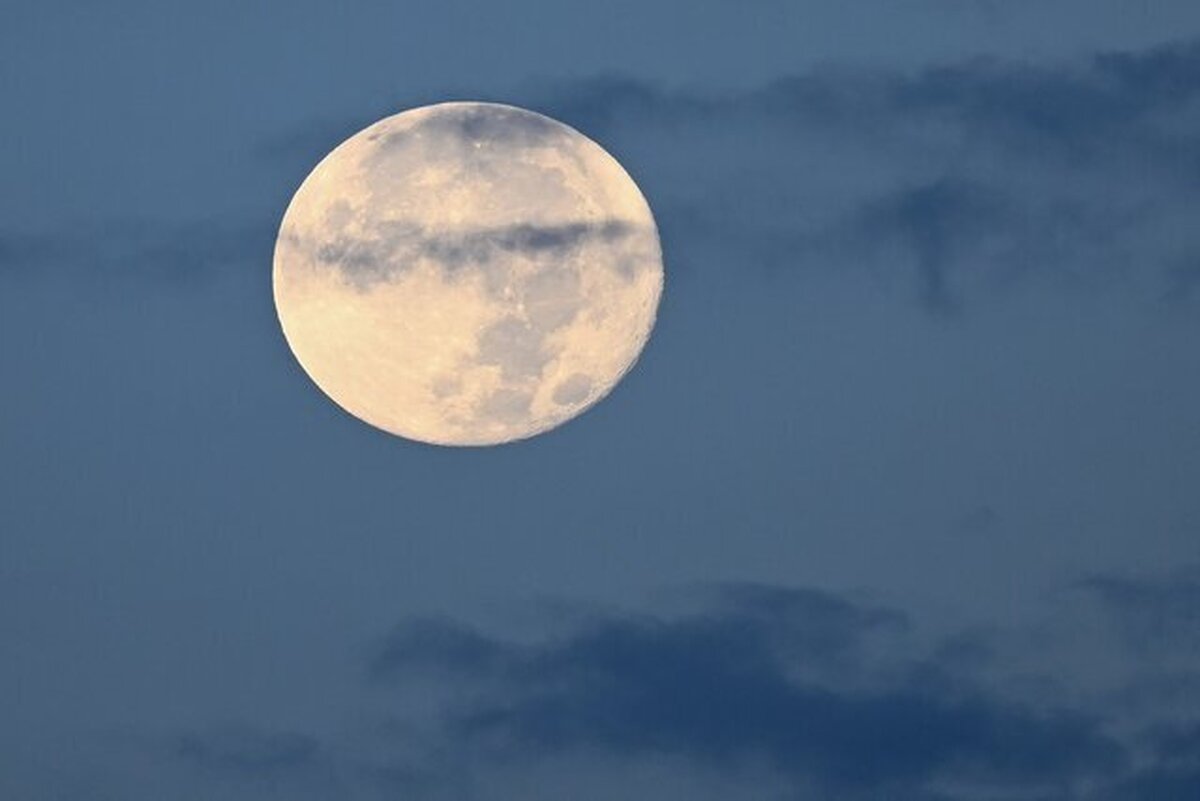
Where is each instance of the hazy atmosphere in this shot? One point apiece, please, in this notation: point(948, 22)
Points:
point(901, 499)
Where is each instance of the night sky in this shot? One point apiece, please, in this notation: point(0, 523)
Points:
point(901, 501)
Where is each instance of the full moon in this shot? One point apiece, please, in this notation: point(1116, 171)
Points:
point(467, 274)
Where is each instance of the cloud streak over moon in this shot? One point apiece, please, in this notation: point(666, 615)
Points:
point(397, 245)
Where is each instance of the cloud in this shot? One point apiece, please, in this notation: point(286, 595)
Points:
point(1089, 107)
point(948, 185)
point(966, 179)
point(393, 245)
point(938, 223)
point(726, 690)
point(759, 675)
point(524, 238)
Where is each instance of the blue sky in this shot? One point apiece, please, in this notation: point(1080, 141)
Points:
point(900, 501)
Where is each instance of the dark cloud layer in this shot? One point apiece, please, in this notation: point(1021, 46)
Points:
point(826, 696)
point(787, 678)
point(750, 686)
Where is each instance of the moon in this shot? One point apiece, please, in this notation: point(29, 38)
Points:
point(467, 274)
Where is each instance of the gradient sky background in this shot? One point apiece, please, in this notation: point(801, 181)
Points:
point(902, 500)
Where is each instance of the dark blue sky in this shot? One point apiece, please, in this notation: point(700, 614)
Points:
point(901, 501)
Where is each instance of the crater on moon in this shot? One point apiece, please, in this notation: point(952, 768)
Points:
point(467, 274)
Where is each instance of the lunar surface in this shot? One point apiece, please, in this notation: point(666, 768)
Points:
point(467, 274)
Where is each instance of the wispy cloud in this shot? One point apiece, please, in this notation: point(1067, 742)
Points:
point(745, 690)
point(756, 676)
point(950, 183)
point(966, 177)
